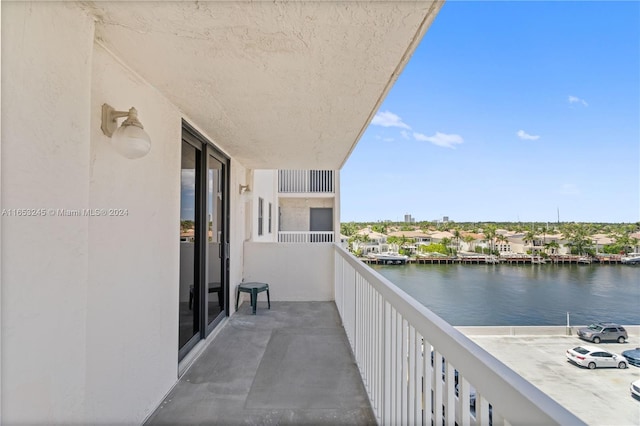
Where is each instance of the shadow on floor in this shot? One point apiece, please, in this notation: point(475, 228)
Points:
point(288, 365)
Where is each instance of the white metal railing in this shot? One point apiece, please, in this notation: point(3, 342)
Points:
point(305, 236)
point(306, 181)
point(419, 370)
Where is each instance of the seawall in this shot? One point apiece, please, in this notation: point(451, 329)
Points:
point(553, 330)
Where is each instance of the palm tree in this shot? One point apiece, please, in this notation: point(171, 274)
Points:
point(625, 242)
point(357, 238)
point(457, 235)
point(348, 229)
point(553, 245)
point(380, 228)
point(578, 238)
point(529, 237)
point(469, 240)
point(446, 242)
point(490, 234)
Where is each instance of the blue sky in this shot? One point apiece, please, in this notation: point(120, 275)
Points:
point(508, 111)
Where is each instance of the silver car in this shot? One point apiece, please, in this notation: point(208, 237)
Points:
point(602, 332)
point(592, 357)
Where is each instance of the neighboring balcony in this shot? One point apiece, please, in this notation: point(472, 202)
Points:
point(305, 236)
point(307, 206)
point(416, 369)
point(306, 181)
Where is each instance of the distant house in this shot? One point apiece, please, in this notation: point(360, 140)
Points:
point(474, 241)
point(601, 240)
point(438, 236)
point(549, 239)
point(636, 235)
point(376, 242)
point(417, 238)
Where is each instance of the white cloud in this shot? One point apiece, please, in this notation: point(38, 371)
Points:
point(188, 180)
point(389, 119)
point(440, 139)
point(405, 134)
point(524, 135)
point(575, 99)
point(388, 139)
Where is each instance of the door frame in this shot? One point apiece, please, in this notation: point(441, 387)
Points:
point(206, 149)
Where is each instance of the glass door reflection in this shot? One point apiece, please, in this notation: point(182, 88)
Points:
point(216, 295)
point(204, 243)
point(189, 306)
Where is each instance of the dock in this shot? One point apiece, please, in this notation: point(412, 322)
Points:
point(516, 259)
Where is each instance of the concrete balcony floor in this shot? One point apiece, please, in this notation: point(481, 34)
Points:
point(291, 364)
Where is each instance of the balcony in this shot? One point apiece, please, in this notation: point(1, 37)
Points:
point(414, 367)
point(288, 365)
point(305, 236)
point(306, 182)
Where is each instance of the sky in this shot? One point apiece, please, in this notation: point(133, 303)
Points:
point(508, 111)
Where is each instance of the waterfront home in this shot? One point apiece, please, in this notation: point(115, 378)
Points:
point(412, 240)
point(599, 241)
point(554, 243)
point(438, 236)
point(505, 248)
point(469, 241)
point(418, 236)
point(635, 237)
point(370, 242)
point(102, 314)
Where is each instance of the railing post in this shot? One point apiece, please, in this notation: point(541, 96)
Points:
point(437, 387)
point(464, 396)
point(427, 383)
point(386, 362)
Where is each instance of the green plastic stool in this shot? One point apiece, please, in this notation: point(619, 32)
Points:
point(253, 288)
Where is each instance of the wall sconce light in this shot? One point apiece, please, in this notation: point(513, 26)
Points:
point(244, 188)
point(130, 139)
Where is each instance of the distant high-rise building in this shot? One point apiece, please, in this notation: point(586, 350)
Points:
point(445, 219)
point(408, 218)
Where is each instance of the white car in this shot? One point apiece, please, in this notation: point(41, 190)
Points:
point(591, 357)
point(635, 389)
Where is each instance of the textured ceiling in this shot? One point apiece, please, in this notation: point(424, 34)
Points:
point(276, 85)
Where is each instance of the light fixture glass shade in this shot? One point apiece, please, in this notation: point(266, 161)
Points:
point(131, 141)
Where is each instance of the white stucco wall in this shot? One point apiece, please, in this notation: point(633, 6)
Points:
point(265, 186)
point(46, 100)
point(294, 272)
point(89, 304)
point(239, 224)
point(133, 275)
point(296, 214)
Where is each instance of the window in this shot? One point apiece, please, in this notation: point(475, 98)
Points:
point(260, 215)
point(270, 209)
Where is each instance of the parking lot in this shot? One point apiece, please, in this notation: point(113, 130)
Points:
point(598, 397)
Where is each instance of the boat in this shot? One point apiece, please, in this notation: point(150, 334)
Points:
point(389, 257)
point(584, 260)
point(631, 259)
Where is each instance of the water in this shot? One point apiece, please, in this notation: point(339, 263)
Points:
point(522, 295)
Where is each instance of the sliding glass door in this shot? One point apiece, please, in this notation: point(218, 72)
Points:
point(216, 247)
point(190, 225)
point(204, 244)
